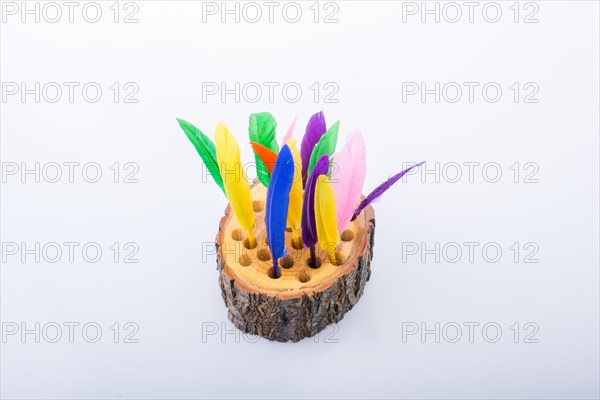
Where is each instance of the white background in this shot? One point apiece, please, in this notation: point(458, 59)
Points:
point(172, 293)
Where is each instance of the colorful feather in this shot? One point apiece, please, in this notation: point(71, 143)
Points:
point(325, 217)
point(290, 133)
point(206, 148)
point(349, 178)
point(278, 197)
point(266, 155)
point(325, 146)
point(314, 130)
point(295, 208)
point(234, 179)
point(309, 228)
point(379, 190)
point(261, 129)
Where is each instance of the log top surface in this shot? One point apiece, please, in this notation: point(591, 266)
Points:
point(249, 268)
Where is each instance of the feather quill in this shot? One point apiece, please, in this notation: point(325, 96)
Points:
point(266, 155)
point(309, 228)
point(379, 190)
point(350, 177)
point(325, 217)
point(290, 133)
point(206, 148)
point(234, 179)
point(314, 130)
point(278, 197)
point(295, 208)
point(326, 145)
point(261, 129)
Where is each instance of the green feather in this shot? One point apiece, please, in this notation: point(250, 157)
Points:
point(206, 148)
point(325, 145)
point(262, 130)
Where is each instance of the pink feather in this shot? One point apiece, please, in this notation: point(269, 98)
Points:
point(349, 177)
point(290, 133)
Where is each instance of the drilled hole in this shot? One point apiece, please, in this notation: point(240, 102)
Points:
point(247, 244)
point(263, 254)
point(287, 262)
point(245, 260)
point(298, 245)
point(347, 235)
point(237, 234)
point(339, 259)
point(308, 263)
point(271, 273)
point(304, 277)
point(258, 205)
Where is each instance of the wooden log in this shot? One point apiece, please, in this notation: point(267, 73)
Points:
point(304, 300)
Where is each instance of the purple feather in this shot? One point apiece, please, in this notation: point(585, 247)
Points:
point(379, 190)
point(308, 223)
point(315, 128)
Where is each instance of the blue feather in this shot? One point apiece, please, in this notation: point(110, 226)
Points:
point(278, 198)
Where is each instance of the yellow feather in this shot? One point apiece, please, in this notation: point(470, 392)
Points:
point(235, 181)
point(295, 208)
point(325, 217)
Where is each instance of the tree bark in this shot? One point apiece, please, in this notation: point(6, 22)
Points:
point(304, 300)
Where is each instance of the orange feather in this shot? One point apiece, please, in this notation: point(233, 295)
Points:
point(267, 155)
